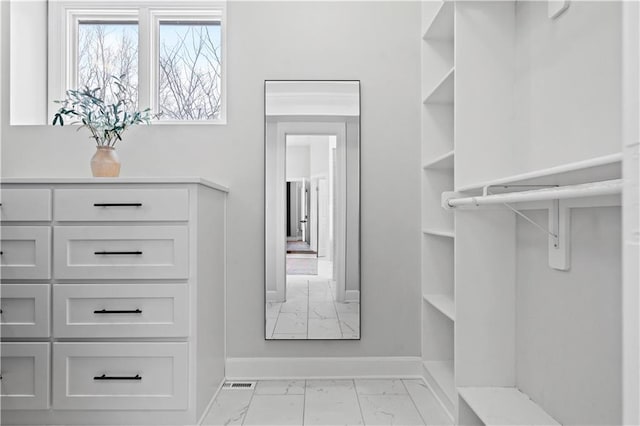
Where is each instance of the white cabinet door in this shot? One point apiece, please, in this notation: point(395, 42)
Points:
point(25, 253)
point(24, 310)
point(120, 376)
point(121, 204)
point(25, 376)
point(121, 310)
point(26, 205)
point(121, 252)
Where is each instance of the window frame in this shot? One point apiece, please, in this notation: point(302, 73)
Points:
point(157, 16)
point(65, 15)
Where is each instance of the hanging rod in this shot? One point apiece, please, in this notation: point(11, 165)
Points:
point(593, 189)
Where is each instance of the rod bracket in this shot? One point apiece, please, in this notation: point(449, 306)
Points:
point(560, 245)
point(445, 197)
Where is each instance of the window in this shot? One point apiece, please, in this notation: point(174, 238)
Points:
point(171, 60)
point(105, 49)
point(189, 70)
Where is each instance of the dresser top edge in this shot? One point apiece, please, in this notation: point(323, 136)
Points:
point(118, 180)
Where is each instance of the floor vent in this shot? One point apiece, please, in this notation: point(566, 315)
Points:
point(239, 385)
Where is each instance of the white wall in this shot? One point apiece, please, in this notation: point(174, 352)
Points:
point(558, 83)
point(568, 85)
point(289, 40)
point(298, 162)
point(319, 163)
point(28, 79)
point(569, 329)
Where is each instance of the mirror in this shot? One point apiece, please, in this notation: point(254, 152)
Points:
point(312, 210)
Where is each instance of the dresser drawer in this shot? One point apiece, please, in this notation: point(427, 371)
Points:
point(120, 376)
point(24, 252)
point(121, 252)
point(121, 310)
point(121, 204)
point(25, 376)
point(24, 310)
point(26, 205)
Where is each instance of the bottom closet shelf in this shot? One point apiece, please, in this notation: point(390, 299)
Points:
point(439, 375)
point(504, 406)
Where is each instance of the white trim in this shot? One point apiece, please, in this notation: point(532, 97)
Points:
point(205, 413)
point(352, 296)
point(327, 367)
point(274, 296)
point(631, 214)
point(284, 129)
point(437, 397)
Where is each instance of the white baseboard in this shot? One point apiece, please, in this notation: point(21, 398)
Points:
point(352, 296)
point(449, 414)
point(325, 367)
point(213, 398)
point(274, 296)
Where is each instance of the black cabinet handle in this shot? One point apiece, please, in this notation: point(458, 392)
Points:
point(1, 253)
point(117, 204)
point(104, 311)
point(105, 377)
point(115, 253)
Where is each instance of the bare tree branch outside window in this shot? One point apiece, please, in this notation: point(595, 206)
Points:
point(105, 50)
point(189, 61)
point(189, 74)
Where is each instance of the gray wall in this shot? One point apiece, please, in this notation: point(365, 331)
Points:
point(569, 324)
point(375, 42)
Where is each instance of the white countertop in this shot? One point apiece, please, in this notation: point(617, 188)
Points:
point(93, 180)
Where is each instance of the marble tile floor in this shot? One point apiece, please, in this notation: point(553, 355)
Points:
point(329, 402)
point(311, 312)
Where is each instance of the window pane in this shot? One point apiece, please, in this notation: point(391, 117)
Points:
point(105, 50)
point(189, 76)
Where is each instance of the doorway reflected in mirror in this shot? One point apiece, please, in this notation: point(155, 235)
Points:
point(312, 210)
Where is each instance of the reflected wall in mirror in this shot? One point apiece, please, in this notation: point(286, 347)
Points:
point(312, 210)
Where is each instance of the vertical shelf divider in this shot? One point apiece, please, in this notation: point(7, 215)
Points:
point(438, 231)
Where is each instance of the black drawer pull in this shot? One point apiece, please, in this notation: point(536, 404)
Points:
point(1, 253)
point(105, 377)
point(104, 311)
point(115, 253)
point(117, 204)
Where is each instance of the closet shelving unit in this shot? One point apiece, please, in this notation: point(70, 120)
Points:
point(476, 332)
point(438, 234)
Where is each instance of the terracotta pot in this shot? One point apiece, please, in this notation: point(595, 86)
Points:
point(105, 162)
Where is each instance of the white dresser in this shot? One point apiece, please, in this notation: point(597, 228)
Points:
point(112, 300)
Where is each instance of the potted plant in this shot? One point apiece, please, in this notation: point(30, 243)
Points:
point(106, 122)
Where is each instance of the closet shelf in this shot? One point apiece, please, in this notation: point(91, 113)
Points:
point(443, 92)
point(504, 406)
point(593, 189)
point(602, 168)
point(439, 374)
point(441, 26)
point(443, 303)
point(439, 232)
point(444, 161)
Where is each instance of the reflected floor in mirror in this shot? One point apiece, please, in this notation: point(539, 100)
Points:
point(329, 402)
point(311, 310)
